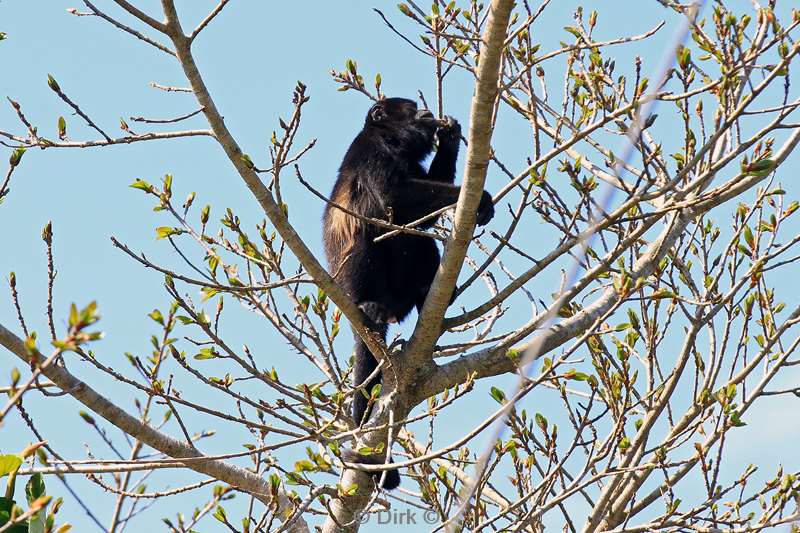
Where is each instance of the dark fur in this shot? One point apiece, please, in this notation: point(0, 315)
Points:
point(381, 176)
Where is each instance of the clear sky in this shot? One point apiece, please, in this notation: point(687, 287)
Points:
point(251, 56)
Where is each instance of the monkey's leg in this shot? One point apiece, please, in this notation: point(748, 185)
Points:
point(415, 264)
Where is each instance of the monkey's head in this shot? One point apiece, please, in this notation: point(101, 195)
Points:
point(401, 124)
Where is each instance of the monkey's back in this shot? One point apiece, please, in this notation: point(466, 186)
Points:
point(367, 172)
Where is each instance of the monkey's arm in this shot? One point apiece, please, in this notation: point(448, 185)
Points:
point(443, 166)
point(414, 199)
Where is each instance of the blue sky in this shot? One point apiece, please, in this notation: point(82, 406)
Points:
point(251, 56)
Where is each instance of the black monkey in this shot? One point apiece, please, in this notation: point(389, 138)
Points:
point(382, 177)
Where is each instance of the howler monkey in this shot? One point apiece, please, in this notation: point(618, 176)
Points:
point(382, 177)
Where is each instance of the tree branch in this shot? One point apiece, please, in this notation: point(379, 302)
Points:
point(429, 324)
point(231, 474)
point(257, 188)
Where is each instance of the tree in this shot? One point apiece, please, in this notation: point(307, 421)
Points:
point(666, 323)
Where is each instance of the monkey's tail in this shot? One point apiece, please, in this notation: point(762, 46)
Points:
point(365, 365)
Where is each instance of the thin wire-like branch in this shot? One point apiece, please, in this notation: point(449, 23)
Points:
point(374, 221)
point(141, 15)
point(166, 120)
point(205, 22)
point(170, 89)
point(57, 89)
point(127, 29)
point(45, 143)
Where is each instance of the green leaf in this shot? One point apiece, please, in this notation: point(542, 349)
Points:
point(52, 83)
point(684, 57)
point(274, 481)
point(34, 488)
point(16, 156)
point(247, 160)
point(207, 353)
point(141, 185)
point(736, 421)
point(498, 395)
point(157, 316)
point(6, 505)
point(304, 466)
point(9, 463)
point(163, 232)
point(213, 263)
point(577, 376)
point(62, 127)
point(219, 514)
point(663, 293)
point(760, 168)
point(748, 237)
point(541, 421)
point(209, 292)
point(168, 183)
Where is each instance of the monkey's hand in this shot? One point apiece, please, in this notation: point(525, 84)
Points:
point(449, 133)
point(485, 210)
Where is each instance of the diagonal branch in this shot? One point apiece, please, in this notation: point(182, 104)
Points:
point(126, 29)
point(260, 191)
point(206, 21)
point(141, 15)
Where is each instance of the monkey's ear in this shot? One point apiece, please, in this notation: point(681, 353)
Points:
point(377, 113)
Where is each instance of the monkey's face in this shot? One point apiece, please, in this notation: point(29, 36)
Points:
point(405, 124)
